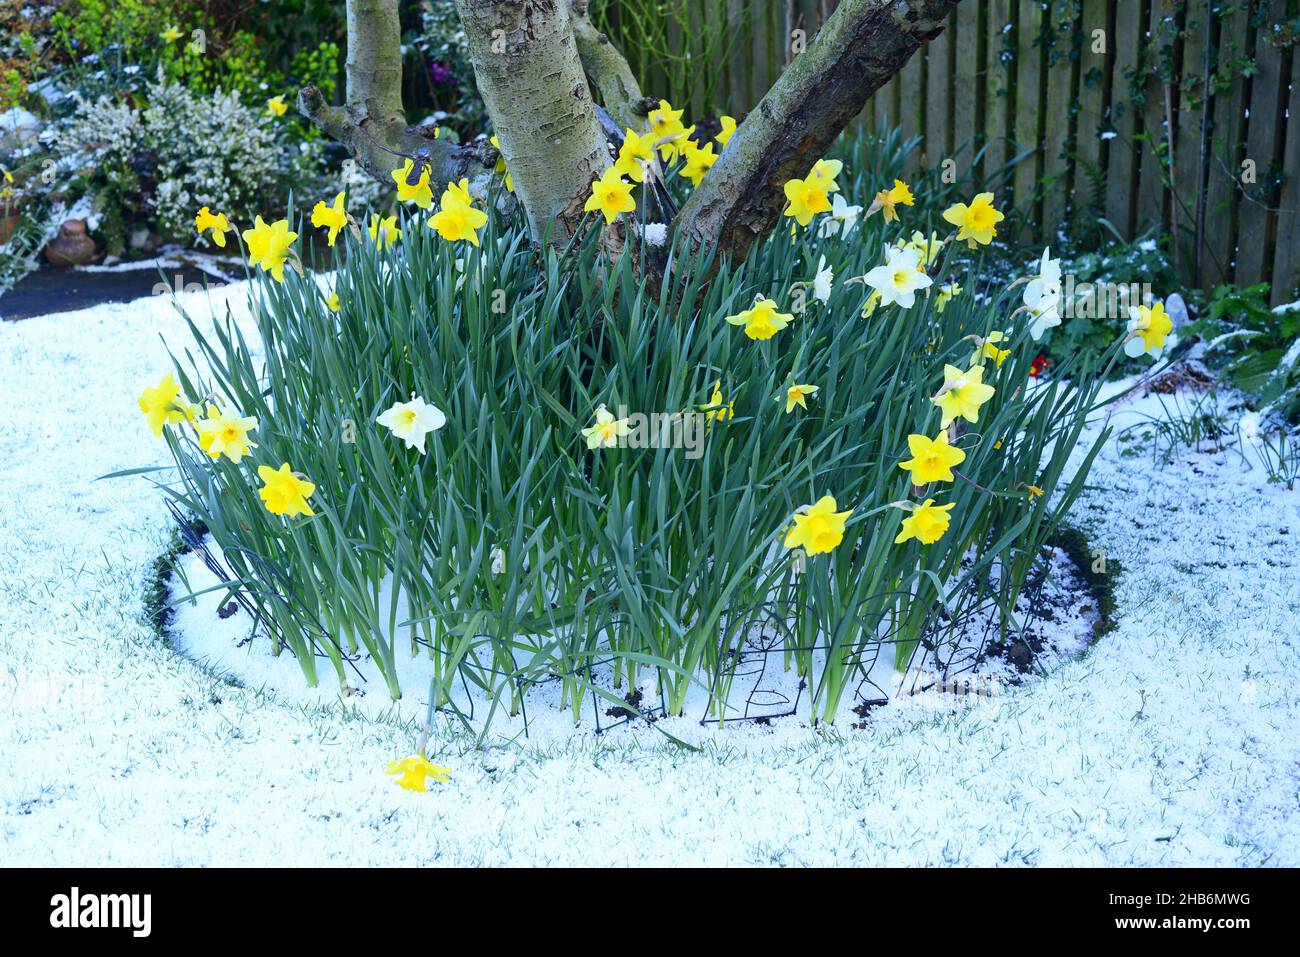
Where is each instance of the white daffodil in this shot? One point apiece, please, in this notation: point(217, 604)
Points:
point(1046, 314)
point(841, 220)
point(607, 430)
point(899, 278)
point(1150, 331)
point(1046, 283)
point(412, 421)
point(822, 282)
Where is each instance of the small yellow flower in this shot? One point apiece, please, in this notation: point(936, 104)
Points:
point(819, 529)
point(332, 301)
point(172, 33)
point(268, 245)
point(665, 127)
point(276, 106)
point(384, 231)
point(225, 433)
point(976, 223)
point(1148, 328)
point(927, 250)
point(415, 771)
point(797, 395)
point(728, 128)
point(946, 292)
point(1034, 491)
point(611, 195)
point(926, 524)
point(806, 198)
point(989, 350)
point(634, 155)
point(717, 407)
point(607, 430)
point(823, 174)
point(899, 195)
point(500, 168)
point(761, 320)
point(932, 459)
point(420, 194)
point(284, 492)
point(698, 162)
point(219, 224)
point(163, 404)
point(962, 394)
point(333, 217)
point(457, 218)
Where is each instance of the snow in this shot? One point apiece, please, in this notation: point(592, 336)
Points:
point(1175, 740)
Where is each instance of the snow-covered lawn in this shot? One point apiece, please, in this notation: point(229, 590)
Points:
point(1176, 740)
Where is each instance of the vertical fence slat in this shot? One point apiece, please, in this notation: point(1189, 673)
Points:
point(1188, 195)
point(1094, 69)
point(910, 99)
point(968, 84)
point(1226, 147)
point(1151, 185)
point(1028, 78)
point(997, 90)
point(1286, 261)
point(1123, 148)
point(1255, 236)
point(1057, 160)
point(938, 88)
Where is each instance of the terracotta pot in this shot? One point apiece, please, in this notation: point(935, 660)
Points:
point(72, 247)
point(9, 225)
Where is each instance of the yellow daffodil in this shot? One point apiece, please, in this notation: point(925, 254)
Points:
point(728, 128)
point(819, 529)
point(634, 155)
point(932, 459)
point(926, 523)
point(717, 407)
point(761, 320)
point(457, 218)
point(421, 194)
point(1034, 491)
point(416, 770)
point(333, 217)
point(698, 161)
point(988, 349)
point(225, 433)
point(284, 492)
point(384, 231)
point(976, 223)
point(797, 395)
point(927, 250)
point(332, 302)
point(667, 130)
point(611, 195)
point(962, 394)
point(276, 106)
point(163, 404)
point(268, 245)
point(607, 430)
point(1147, 329)
point(823, 175)
point(898, 195)
point(219, 224)
point(500, 168)
point(172, 33)
point(946, 292)
point(805, 199)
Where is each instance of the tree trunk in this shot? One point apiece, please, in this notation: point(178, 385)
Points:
point(373, 123)
point(532, 82)
point(861, 46)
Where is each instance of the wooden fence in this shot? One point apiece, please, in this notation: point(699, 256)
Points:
point(1180, 115)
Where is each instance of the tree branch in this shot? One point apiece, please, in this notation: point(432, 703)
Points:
point(861, 46)
point(373, 123)
point(605, 64)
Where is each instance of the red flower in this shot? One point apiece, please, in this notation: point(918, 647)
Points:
point(1039, 364)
